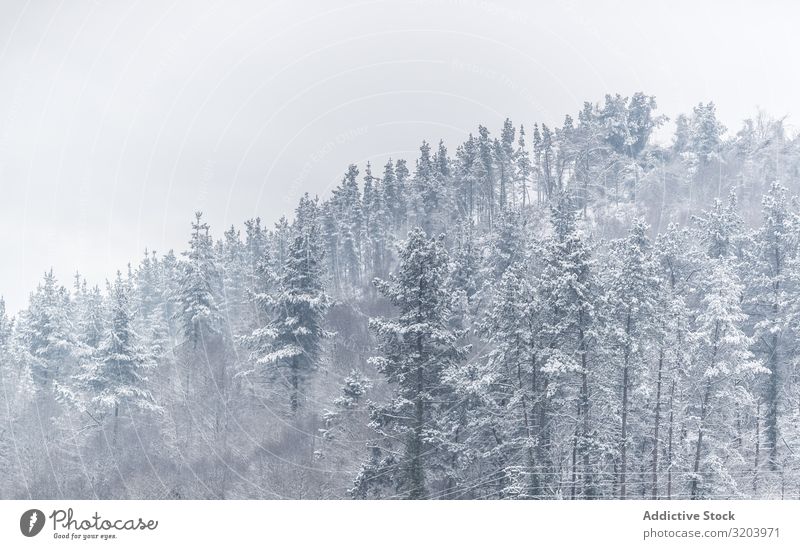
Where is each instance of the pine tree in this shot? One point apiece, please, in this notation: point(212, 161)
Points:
point(503, 395)
point(524, 168)
point(50, 336)
point(378, 229)
point(349, 211)
point(353, 391)
point(291, 341)
point(255, 252)
point(416, 348)
point(429, 188)
point(199, 284)
point(393, 196)
point(504, 154)
point(677, 263)
point(465, 278)
point(630, 308)
point(545, 158)
point(116, 379)
point(641, 121)
point(706, 132)
point(567, 287)
point(402, 174)
point(506, 244)
point(6, 328)
point(721, 228)
point(6, 334)
point(235, 277)
point(93, 322)
point(723, 359)
point(614, 117)
point(485, 154)
point(773, 298)
point(469, 175)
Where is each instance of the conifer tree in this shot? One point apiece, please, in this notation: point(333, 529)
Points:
point(630, 308)
point(199, 285)
point(724, 361)
point(417, 347)
point(773, 298)
point(49, 334)
point(116, 379)
point(290, 343)
point(568, 288)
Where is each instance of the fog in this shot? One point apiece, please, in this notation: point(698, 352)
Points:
point(118, 121)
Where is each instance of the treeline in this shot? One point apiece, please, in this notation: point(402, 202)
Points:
point(570, 312)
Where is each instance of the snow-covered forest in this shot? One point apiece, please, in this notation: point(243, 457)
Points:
point(537, 312)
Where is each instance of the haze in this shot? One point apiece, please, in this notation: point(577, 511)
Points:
point(117, 121)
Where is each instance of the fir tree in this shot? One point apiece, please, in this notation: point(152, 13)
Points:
point(199, 284)
point(773, 299)
point(116, 379)
point(724, 361)
point(291, 342)
point(49, 334)
point(416, 348)
point(630, 308)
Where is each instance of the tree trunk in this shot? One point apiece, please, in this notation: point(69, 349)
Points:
point(416, 476)
point(757, 465)
point(657, 423)
point(116, 427)
point(669, 439)
point(588, 478)
point(624, 433)
point(700, 432)
point(294, 397)
point(773, 384)
point(528, 429)
point(574, 478)
point(771, 419)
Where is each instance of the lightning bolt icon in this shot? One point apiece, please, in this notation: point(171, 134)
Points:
point(34, 520)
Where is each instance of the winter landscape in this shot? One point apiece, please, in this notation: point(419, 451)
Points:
point(537, 312)
point(395, 250)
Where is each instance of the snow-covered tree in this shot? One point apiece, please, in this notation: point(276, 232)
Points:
point(290, 343)
point(723, 361)
point(116, 378)
point(417, 348)
point(199, 286)
point(630, 311)
point(773, 298)
point(569, 289)
point(49, 335)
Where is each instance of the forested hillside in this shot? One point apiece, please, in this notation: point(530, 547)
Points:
point(537, 312)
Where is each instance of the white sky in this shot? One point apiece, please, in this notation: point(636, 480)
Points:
point(119, 119)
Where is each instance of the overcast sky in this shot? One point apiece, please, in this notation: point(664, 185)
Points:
point(119, 119)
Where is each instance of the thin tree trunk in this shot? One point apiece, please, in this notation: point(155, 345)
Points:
point(574, 479)
point(771, 420)
point(773, 384)
point(624, 433)
point(700, 432)
point(528, 429)
point(116, 426)
point(657, 423)
point(544, 436)
point(294, 397)
point(588, 478)
point(757, 465)
point(669, 439)
point(417, 481)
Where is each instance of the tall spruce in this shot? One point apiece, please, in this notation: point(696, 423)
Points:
point(417, 348)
